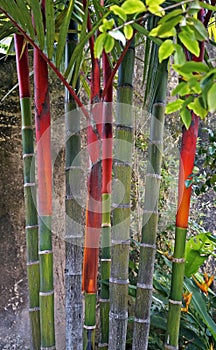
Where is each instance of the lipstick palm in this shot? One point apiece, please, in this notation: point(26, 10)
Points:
point(118, 315)
point(33, 270)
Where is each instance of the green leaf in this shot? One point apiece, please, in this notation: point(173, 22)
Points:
point(170, 15)
point(50, 27)
point(197, 108)
point(174, 106)
point(109, 44)
point(201, 32)
point(181, 89)
point(179, 55)
point(107, 25)
point(25, 13)
point(118, 35)
point(63, 34)
point(133, 6)
point(163, 31)
point(117, 10)
point(99, 45)
point(128, 31)
point(165, 50)
point(145, 32)
point(38, 22)
point(211, 98)
point(189, 43)
point(194, 85)
point(186, 117)
point(194, 67)
point(156, 10)
point(199, 304)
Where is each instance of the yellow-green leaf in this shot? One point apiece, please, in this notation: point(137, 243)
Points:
point(186, 117)
point(189, 43)
point(197, 108)
point(109, 44)
point(99, 45)
point(165, 50)
point(211, 98)
point(50, 27)
point(117, 10)
point(174, 106)
point(133, 6)
point(38, 22)
point(128, 31)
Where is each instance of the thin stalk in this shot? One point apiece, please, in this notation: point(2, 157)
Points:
point(150, 214)
point(73, 231)
point(42, 121)
point(187, 156)
point(118, 315)
point(93, 209)
point(105, 262)
point(33, 270)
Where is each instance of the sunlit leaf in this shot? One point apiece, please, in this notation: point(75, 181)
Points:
point(128, 31)
point(165, 50)
point(186, 117)
point(174, 106)
point(109, 44)
point(189, 43)
point(197, 108)
point(99, 45)
point(117, 10)
point(211, 98)
point(133, 6)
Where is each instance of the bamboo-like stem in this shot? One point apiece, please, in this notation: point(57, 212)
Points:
point(73, 230)
point(187, 156)
point(42, 121)
point(93, 210)
point(150, 214)
point(33, 270)
point(105, 262)
point(118, 315)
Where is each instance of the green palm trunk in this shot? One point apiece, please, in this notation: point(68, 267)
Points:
point(33, 270)
point(73, 231)
point(118, 315)
point(150, 214)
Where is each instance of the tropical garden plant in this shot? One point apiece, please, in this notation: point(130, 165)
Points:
point(173, 32)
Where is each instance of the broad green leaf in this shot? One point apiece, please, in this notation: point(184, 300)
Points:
point(198, 249)
point(200, 29)
point(207, 6)
point(186, 117)
point(107, 25)
point(128, 31)
point(63, 34)
point(50, 27)
point(211, 98)
point(194, 67)
point(38, 22)
point(118, 35)
point(156, 10)
point(99, 44)
point(165, 50)
point(117, 10)
point(197, 108)
point(174, 106)
point(189, 43)
point(133, 6)
point(109, 44)
point(199, 303)
point(152, 2)
point(163, 31)
point(170, 15)
point(194, 85)
point(181, 89)
point(179, 55)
